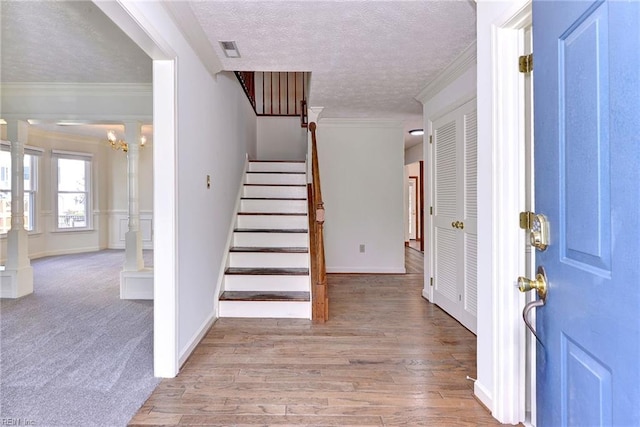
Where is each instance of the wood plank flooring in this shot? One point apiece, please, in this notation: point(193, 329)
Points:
point(386, 357)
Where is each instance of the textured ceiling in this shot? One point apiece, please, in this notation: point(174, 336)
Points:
point(66, 41)
point(368, 58)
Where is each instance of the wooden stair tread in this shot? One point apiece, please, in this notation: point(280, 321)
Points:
point(276, 185)
point(268, 271)
point(274, 198)
point(274, 213)
point(279, 172)
point(264, 296)
point(283, 250)
point(277, 161)
point(270, 230)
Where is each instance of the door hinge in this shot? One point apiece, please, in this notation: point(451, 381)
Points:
point(431, 281)
point(525, 63)
point(430, 210)
point(430, 139)
point(526, 220)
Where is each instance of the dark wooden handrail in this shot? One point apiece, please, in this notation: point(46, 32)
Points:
point(319, 291)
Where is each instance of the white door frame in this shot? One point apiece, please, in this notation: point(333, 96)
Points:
point(132, 21)
point(508, 178)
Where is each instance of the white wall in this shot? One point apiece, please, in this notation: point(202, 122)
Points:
point(216, 127)
point(362, 176)
point(281, 138)
point(45, 240)
point(414, 154)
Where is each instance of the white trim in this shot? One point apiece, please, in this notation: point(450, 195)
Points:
point(28, 149)
point(365, 270)
point(86, 249)
point(75, 89)
point(482, 394)
point(508, 196)
point(128, 17)
point(165, 166)
point(357, 123)
point(196, 338)
point(75, 155)
point(462, 63)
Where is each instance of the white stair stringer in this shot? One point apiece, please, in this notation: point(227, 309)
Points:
point(268, 265)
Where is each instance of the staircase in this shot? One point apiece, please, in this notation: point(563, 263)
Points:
point(268, 262)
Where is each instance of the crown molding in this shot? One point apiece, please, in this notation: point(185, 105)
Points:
point(75, 89)
point(360, 122)
point(462, 63)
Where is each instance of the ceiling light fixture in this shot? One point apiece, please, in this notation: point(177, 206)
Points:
point(230, 49)
point(120, 144)
point(416, 132)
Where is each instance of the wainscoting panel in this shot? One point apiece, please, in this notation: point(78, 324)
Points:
point(119, 225)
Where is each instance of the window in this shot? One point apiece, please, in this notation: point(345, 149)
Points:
point(30, 188)
point(73, 190)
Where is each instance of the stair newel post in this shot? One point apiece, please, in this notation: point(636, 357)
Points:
point(319, 277)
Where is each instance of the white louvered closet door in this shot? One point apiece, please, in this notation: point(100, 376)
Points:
point(455, 213)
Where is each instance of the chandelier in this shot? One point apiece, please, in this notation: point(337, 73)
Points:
point(120, 144)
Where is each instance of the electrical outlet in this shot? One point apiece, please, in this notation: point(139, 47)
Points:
point(361, 249)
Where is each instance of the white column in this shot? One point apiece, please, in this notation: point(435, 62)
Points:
point(133, 237)
point(17, 277)
point(136, 282)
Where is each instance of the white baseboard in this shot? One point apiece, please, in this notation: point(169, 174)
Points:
point(195, 340)
point(483, 395)
point(65, 252)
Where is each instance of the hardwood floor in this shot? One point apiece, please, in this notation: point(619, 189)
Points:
point(386, 357)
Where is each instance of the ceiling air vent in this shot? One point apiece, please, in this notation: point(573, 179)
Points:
point(230, 49)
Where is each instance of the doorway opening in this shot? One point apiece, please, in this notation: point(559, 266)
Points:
point(414, 220)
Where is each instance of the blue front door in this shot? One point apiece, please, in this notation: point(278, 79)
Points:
point(587, 180)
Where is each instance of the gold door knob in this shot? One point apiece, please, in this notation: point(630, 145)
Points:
point(454, 224)
point(460, 225)
point(539, 284)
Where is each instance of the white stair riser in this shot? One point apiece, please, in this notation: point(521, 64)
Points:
point(278, 222)
point(266, 309)
point(271, 240)
point(240, 282)
point(277, 167)
point(274, 191)
point(276, 178)
point(268, 260)
point(273, 206)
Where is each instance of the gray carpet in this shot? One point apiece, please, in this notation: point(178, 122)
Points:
point(73, 353)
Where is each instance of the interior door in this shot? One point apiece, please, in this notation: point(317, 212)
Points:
point(587, 181)
point(455, 213)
